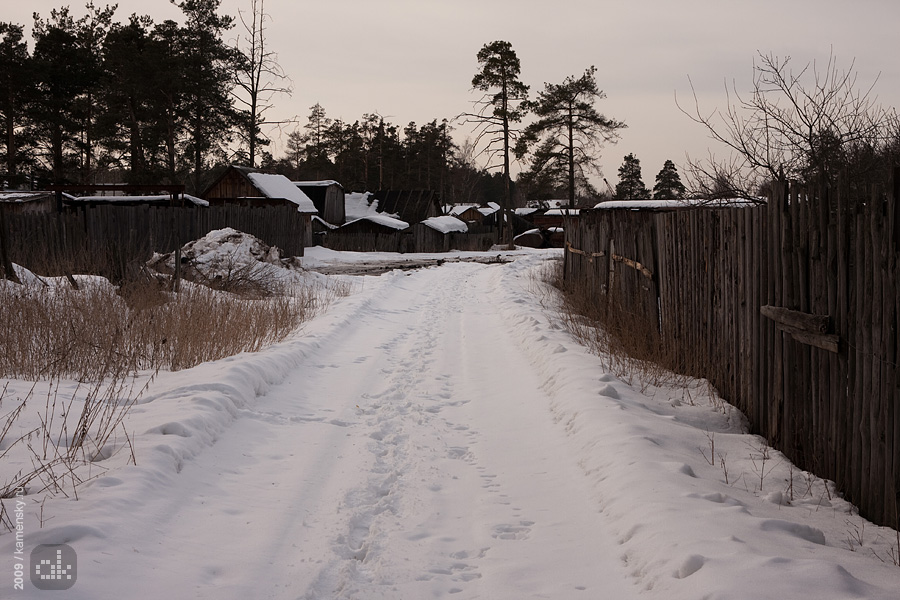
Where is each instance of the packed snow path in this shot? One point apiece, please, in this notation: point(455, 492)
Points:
point(412, 456)
point(437, 435)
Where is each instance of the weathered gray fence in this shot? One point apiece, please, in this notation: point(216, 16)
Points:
point(790, 310)
point(108, 235)
point(432, 241)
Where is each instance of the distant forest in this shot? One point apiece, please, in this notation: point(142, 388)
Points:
point(140, 102)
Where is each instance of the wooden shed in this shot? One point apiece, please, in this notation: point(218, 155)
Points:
point(16, 202)
point(412, 206)
point(244, 186)
point(328, 196)
point(435, 234)
point(371, 233)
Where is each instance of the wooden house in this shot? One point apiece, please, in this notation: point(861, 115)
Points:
point(371, 233)
point(244, 186)
point(435, 234)
point(328, 197)
point(410, 206)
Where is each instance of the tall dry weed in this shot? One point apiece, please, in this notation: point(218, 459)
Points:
point(627, 343)
point(56, 331)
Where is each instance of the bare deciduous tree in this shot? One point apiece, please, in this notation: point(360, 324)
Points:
point(258, 77)
point(797, 125)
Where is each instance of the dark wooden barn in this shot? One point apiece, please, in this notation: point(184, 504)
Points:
point(328, 196)
point(245, 186)
point(412, 206)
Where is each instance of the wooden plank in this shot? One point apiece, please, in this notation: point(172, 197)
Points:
point(797, 320)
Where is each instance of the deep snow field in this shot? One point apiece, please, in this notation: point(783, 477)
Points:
point(438, 434)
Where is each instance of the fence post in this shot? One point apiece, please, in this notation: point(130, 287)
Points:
point(5, 261)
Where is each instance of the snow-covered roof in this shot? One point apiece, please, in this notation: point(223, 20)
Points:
point(279, 186)
point(458, 209)
point(525, 211)
point(446, 224)
point(125, 198)
point(318, 219)
point(562, 212)
point(360, 204)
point(382, 220)
point(490, 209)
point(322, 183)
point(21, 196)
point(684, 203)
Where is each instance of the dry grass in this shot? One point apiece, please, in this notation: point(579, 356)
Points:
point(625, 341)
point(85, 334)
point(104, 337)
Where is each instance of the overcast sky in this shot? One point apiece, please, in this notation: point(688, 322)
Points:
point(413, 60)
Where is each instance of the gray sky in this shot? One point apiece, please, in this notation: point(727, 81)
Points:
point(413, 60)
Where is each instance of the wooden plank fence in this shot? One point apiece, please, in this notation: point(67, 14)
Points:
point(408, 242)
point(789, 309)
point(109, 236)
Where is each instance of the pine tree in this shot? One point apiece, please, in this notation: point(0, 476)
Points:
point(631, 186)
point(501, 106)
point(15, 82)
point(668, 183)
point(316, 149)
point(128, 124)
point(571, 129)
point(59, 64)
point(209, 66)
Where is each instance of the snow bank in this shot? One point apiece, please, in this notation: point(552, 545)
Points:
point(699, 507)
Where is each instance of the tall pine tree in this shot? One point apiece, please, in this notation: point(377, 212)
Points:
point(209, 66)
point(15, 84)
point(571, 129)
point(631, 186)
point(668, 183)
point(501, 106)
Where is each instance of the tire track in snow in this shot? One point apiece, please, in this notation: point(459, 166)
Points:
point(408, 453)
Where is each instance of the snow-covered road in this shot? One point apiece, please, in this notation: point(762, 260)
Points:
point(411, 455)
point(433, 435)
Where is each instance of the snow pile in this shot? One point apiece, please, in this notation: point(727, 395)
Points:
point(224, 255)
point(446, 224)
point(279, 186)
